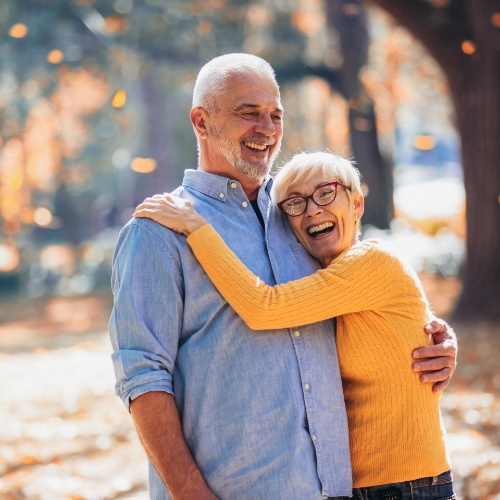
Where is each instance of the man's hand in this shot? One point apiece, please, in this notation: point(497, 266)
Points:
point(437, 363)
point(157, 422)
point(196, 491)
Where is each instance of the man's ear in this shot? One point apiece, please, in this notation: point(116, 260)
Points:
point(199, 120)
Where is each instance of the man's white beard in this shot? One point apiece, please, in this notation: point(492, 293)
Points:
point(231, 152)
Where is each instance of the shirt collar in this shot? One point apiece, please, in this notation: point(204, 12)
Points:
point(213, 185)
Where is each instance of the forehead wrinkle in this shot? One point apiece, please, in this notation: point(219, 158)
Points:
point(252, 105)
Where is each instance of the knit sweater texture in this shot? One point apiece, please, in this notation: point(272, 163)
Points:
point(395, 428)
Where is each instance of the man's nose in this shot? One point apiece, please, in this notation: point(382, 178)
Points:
point(266, 125)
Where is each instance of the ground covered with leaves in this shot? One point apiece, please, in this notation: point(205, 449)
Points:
point(65, 435)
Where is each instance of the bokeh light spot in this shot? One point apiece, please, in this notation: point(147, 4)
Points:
point(115, 24)
point(495, 19)
point(42, 216)
point(58, 257)
point(143, 165)
point(306, 21)
point(55, 56)
point(204, 28)
point(468, 47)
point(424, 142)
point(121, 158)
point(9, 258)
point(119, 99)
point(18, 30)
point(362, 124)
point(259, 15)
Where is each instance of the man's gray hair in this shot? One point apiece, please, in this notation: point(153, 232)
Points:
point(211, 80)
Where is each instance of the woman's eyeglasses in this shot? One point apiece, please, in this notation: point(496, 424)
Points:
point(322, 195)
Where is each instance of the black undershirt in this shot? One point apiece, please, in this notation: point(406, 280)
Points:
point(256, 209)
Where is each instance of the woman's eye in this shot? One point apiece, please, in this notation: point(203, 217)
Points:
point(295, 203)
point(326, 192)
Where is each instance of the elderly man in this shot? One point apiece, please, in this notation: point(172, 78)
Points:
point(224, 411)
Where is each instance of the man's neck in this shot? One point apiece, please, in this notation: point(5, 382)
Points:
point(252, 192)
point(250, 186)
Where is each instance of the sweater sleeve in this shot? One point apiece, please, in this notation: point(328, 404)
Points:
point(362, 278)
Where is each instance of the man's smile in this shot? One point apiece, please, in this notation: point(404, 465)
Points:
point(255, 146)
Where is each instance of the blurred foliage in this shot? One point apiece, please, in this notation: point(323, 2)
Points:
point(77, 441)
point(94, 103)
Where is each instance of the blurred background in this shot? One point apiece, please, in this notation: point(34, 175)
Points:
point(94, 116)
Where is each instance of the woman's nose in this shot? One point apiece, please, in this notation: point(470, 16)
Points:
point(312, 209)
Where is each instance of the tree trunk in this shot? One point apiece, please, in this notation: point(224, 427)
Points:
point(347, 19)
point(464, 40)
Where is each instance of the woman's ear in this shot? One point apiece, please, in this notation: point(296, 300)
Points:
point(199, 120)
point(359, 205)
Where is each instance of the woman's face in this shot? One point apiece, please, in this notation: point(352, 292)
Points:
point(327, 231)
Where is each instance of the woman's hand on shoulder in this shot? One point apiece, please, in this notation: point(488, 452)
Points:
point(171, 211)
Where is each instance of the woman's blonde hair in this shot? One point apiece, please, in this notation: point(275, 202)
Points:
point(303, 166)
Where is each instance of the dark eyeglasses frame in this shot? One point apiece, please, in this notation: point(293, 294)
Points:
point(311, 196)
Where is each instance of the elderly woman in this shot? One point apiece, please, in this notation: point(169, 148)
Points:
point(396, 434)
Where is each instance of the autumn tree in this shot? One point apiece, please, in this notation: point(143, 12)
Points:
point(463, 36)
point(348, 21)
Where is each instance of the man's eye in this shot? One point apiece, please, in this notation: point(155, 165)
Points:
point(276, 118)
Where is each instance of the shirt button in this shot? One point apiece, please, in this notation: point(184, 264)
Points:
point(221, 195)
point(244, 204)
point(296, 333)
point(306, 387)
point(234, 185)
point(313, 437)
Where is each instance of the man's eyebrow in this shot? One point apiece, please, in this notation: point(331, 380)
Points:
point(250, 105)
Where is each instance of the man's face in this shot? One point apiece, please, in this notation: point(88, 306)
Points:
point(246, 132)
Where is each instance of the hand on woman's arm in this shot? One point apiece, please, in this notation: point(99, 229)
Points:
point(437, 363)
point(171, 211)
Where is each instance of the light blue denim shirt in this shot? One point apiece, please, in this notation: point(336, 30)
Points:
point(262, 412)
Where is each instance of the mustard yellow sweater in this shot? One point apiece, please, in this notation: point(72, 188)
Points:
point(395, 428)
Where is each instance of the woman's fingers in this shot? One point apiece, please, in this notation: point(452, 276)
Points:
point(171, 211)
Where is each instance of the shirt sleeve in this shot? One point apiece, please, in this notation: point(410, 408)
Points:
point(145, 322)
point(362, 278)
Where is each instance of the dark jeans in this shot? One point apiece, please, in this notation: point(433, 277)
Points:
point(428, 488)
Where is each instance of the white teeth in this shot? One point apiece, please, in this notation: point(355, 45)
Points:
point(321, 227)
point(260, 147)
